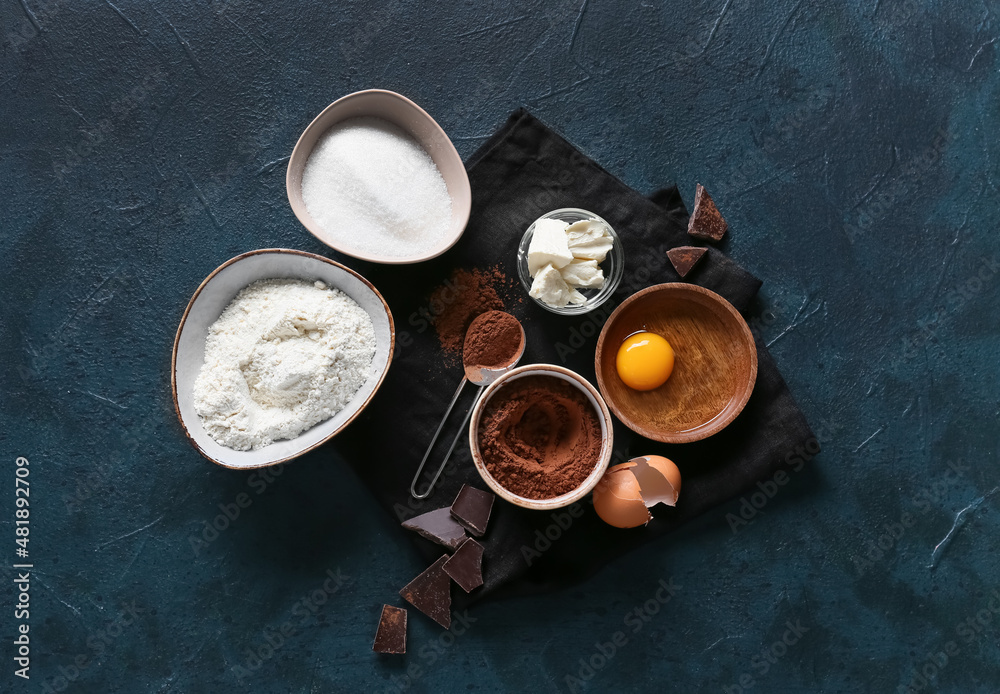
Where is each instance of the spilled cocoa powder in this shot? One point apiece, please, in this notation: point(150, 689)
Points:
point(465, 295)
point(493, 340)
point(540, 437)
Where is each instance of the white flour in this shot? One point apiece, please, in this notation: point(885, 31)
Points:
point(283, 356)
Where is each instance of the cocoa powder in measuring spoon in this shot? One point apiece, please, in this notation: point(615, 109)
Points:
point(492, 341)
point(493, 345)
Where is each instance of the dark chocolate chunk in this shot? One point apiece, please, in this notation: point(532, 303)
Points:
point(684, 258)
point(466, 565)
point(430, 592)
point(472, 509)
point(391, 634)
point(706, 221)
point(438, 526)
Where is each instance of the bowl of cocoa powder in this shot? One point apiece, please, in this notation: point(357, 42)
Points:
point(541, 436)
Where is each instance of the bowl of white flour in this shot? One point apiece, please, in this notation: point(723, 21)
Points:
point(277, 352)
point(375, 177)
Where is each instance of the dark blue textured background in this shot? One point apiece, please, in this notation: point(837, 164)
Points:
point(853, 147)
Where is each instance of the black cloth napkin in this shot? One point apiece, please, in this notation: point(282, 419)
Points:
point(520, 173)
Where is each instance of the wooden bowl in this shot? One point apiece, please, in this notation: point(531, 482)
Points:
point(406, 115)
point(212, 297)
point(715, 365)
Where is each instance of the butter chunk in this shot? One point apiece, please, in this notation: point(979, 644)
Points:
point(550, 288)
point(589, 239)
point(549, 246)
point(583, 273)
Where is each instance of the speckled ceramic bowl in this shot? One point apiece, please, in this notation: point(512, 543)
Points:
point(212, 297)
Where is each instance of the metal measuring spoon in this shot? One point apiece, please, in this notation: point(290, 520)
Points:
point(477, 375)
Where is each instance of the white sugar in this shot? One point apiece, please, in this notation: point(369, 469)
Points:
point(373, 188)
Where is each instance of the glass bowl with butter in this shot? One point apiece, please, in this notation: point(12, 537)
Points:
point(570, 261)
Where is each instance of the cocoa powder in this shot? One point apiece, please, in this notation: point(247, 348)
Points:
point(493, 340)
point(539, 437)
point(465, 295)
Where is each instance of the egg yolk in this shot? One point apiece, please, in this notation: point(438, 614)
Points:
point(645, 361)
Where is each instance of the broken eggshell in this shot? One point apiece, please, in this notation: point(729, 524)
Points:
point(626, 492)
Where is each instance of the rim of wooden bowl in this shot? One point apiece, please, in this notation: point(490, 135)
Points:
point(719, 421)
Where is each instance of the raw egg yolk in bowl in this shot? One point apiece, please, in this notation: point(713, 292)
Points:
point(645, 361)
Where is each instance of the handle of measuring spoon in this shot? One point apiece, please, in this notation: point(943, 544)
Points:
point(461, 432)
point(423, 462)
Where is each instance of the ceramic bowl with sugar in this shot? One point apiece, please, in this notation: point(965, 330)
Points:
point(400, 112)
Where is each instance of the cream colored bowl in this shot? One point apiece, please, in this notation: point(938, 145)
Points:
point(603, 415)
point(405, 114)
point(212, 297)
